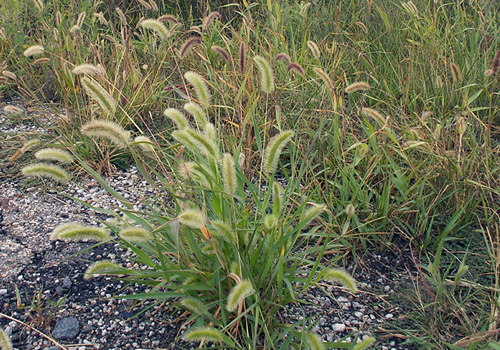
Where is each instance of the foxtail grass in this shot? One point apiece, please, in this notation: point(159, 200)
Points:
point(108, 130)
point(50, 171)
point(102, 267)
point(177, 117)
point(74, 232)
point(197, 112)
point(229, 174)
point(34, 51)
point(341, 277)
point(54, 154)
point(157, 26)
point(5, 342)
point(358, 86)
point(314, 49)
point(192, 218)
point(314, 341)
point(266, 74)
point(238, 295)
point(100, 95)
point(274, 149)
point(135, 234)
point(188, 44)
point(200, 87)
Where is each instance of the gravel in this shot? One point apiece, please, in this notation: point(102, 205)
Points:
point(85, 319)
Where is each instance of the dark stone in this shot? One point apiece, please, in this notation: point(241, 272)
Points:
point(67, 282)
point(66, 328)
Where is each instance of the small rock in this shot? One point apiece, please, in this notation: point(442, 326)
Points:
point(3, 291)
point(66, 328)
point(338, 327)
point(389, 316)
point(67, 282)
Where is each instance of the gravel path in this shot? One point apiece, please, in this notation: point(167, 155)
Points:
point(85, 319)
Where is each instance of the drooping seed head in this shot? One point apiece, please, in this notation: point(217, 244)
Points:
point(58, 18)
point(103, 267)
point(238, 294)
point(12, 110)
point(312, 212)
point(209, 19)
point(168, 18)
point(34, 50)
point(314, 341)
point(154, 6)
point(109, 130)
point(123, 19)
point(283, 57)
point(266, 74)
point(101, 96)
point(76, 233)
point(192, 218)
point(39, 5)
point(325, 77)
point(9, 74)
point(88, 69)
point(224, 231)
point(379, 118)
point(50, 171)
point(197, 112)
point(200, 88)
point(80, 20)
point(357, 86)
point(314, 49)
point(274, 149)
point(101, 18)
point(157, 26)
point(177, 117)
point(224, 54)
point(54, 154)
point(204, 334)
point(294, 66)
point(342, 277)
point(42, 60)
point(145, 143)
point(145, 4)
point(135, 234)
point(188, 44)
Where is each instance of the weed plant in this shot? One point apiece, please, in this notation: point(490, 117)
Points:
point(394, 113)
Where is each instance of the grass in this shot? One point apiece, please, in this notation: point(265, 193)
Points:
point(414, 156)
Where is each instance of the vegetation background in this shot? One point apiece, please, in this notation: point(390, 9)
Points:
point(410, 155)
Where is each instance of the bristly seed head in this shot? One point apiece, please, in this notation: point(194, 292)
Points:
point(266, 74)
point(54, 154)
point(102, 267)
point(192, 41)
point(168, 18)
point(103, 98)
point(109, 130)
point(314, 49)
point(39, 5)
point(200, 88)
point(294, 66)
point(283, 57)
point(457, 75)
point(157, 26)
point(358, 86)
point(34, 50)
point(496, 64)
point(221, 52)
point(209, 19)
point(241, 57)
point(51, 171)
